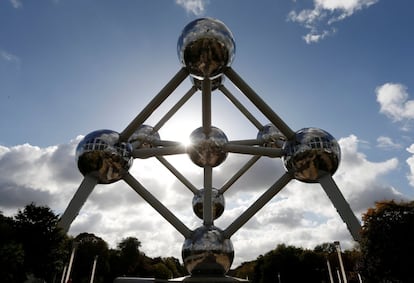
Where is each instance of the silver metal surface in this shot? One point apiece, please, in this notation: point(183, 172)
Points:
point(205, 47)
point(207, 252)
point(271, 136)
point(217, 199)
point(144, 137)
point(341, 205)
point(311, 154)
point(76, 203)
point(101, 155)
point(207, 150)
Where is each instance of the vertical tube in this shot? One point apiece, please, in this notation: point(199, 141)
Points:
point(207, 203)
point(63, 274)
point(206, 105)
point(339, 275)
point(329, 271)
point(341, 263)
point(72, 255)
point(93, 268)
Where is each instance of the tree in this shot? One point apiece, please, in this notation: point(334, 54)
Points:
point(88, 246)
point(387, 242)
point(11, 252)
point(43, 242)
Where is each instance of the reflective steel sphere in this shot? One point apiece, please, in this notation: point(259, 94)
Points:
point(101, 155)
point(217, 203)
point(144, 137)
point(311, 154)
point(207, 252)
point(270, 136)
point(207, 150)
point(206, 46)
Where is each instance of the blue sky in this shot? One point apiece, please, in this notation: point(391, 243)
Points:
point(70, 67)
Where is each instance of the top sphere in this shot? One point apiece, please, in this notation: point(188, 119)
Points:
point(311, 154)
point(205, 47)
point(101, 155)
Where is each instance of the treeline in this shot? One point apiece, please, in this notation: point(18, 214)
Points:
point(293, 264)
point(33, 248)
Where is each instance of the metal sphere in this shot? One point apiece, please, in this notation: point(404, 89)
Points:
point(271, 136)
point(215, 83)
point(207, 252)
point(101, 155)
point(206, 46)
point(207, 150)
point(144, 137)
point(311, 154)
point(217, 200)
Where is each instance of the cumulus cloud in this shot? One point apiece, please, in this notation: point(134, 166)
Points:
point(196, 7)
point(394, 101)
point(319, 19)
point(301, 214)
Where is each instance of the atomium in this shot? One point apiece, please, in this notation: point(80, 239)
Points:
point(206, 50)
point(102, 155)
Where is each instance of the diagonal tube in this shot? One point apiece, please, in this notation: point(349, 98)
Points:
point(78, 200)
point(175, 108)
point(157, 205)
point(154, 104)
point(239, 173)
point(177, 174)
point(257, 205)
point(341, 205)
point(260, 104)
point(241, 108)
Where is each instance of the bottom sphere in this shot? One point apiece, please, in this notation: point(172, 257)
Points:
point(207, 252)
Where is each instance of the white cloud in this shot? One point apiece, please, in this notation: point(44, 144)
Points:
point(410, 162)
point(318, 20)
point(8, 57)
point(394, 102)
point(16, 3)
point(196, 7)
point(301, 214)
point(387, 143)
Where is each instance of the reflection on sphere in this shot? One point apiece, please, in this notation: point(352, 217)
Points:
point(207, 150)
point(144, 137)
point(217, 200)
point(101, 155)
point(311, 154)
point(205, 47)
point(215, 83)
point(207, 252)
point(271, 136)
